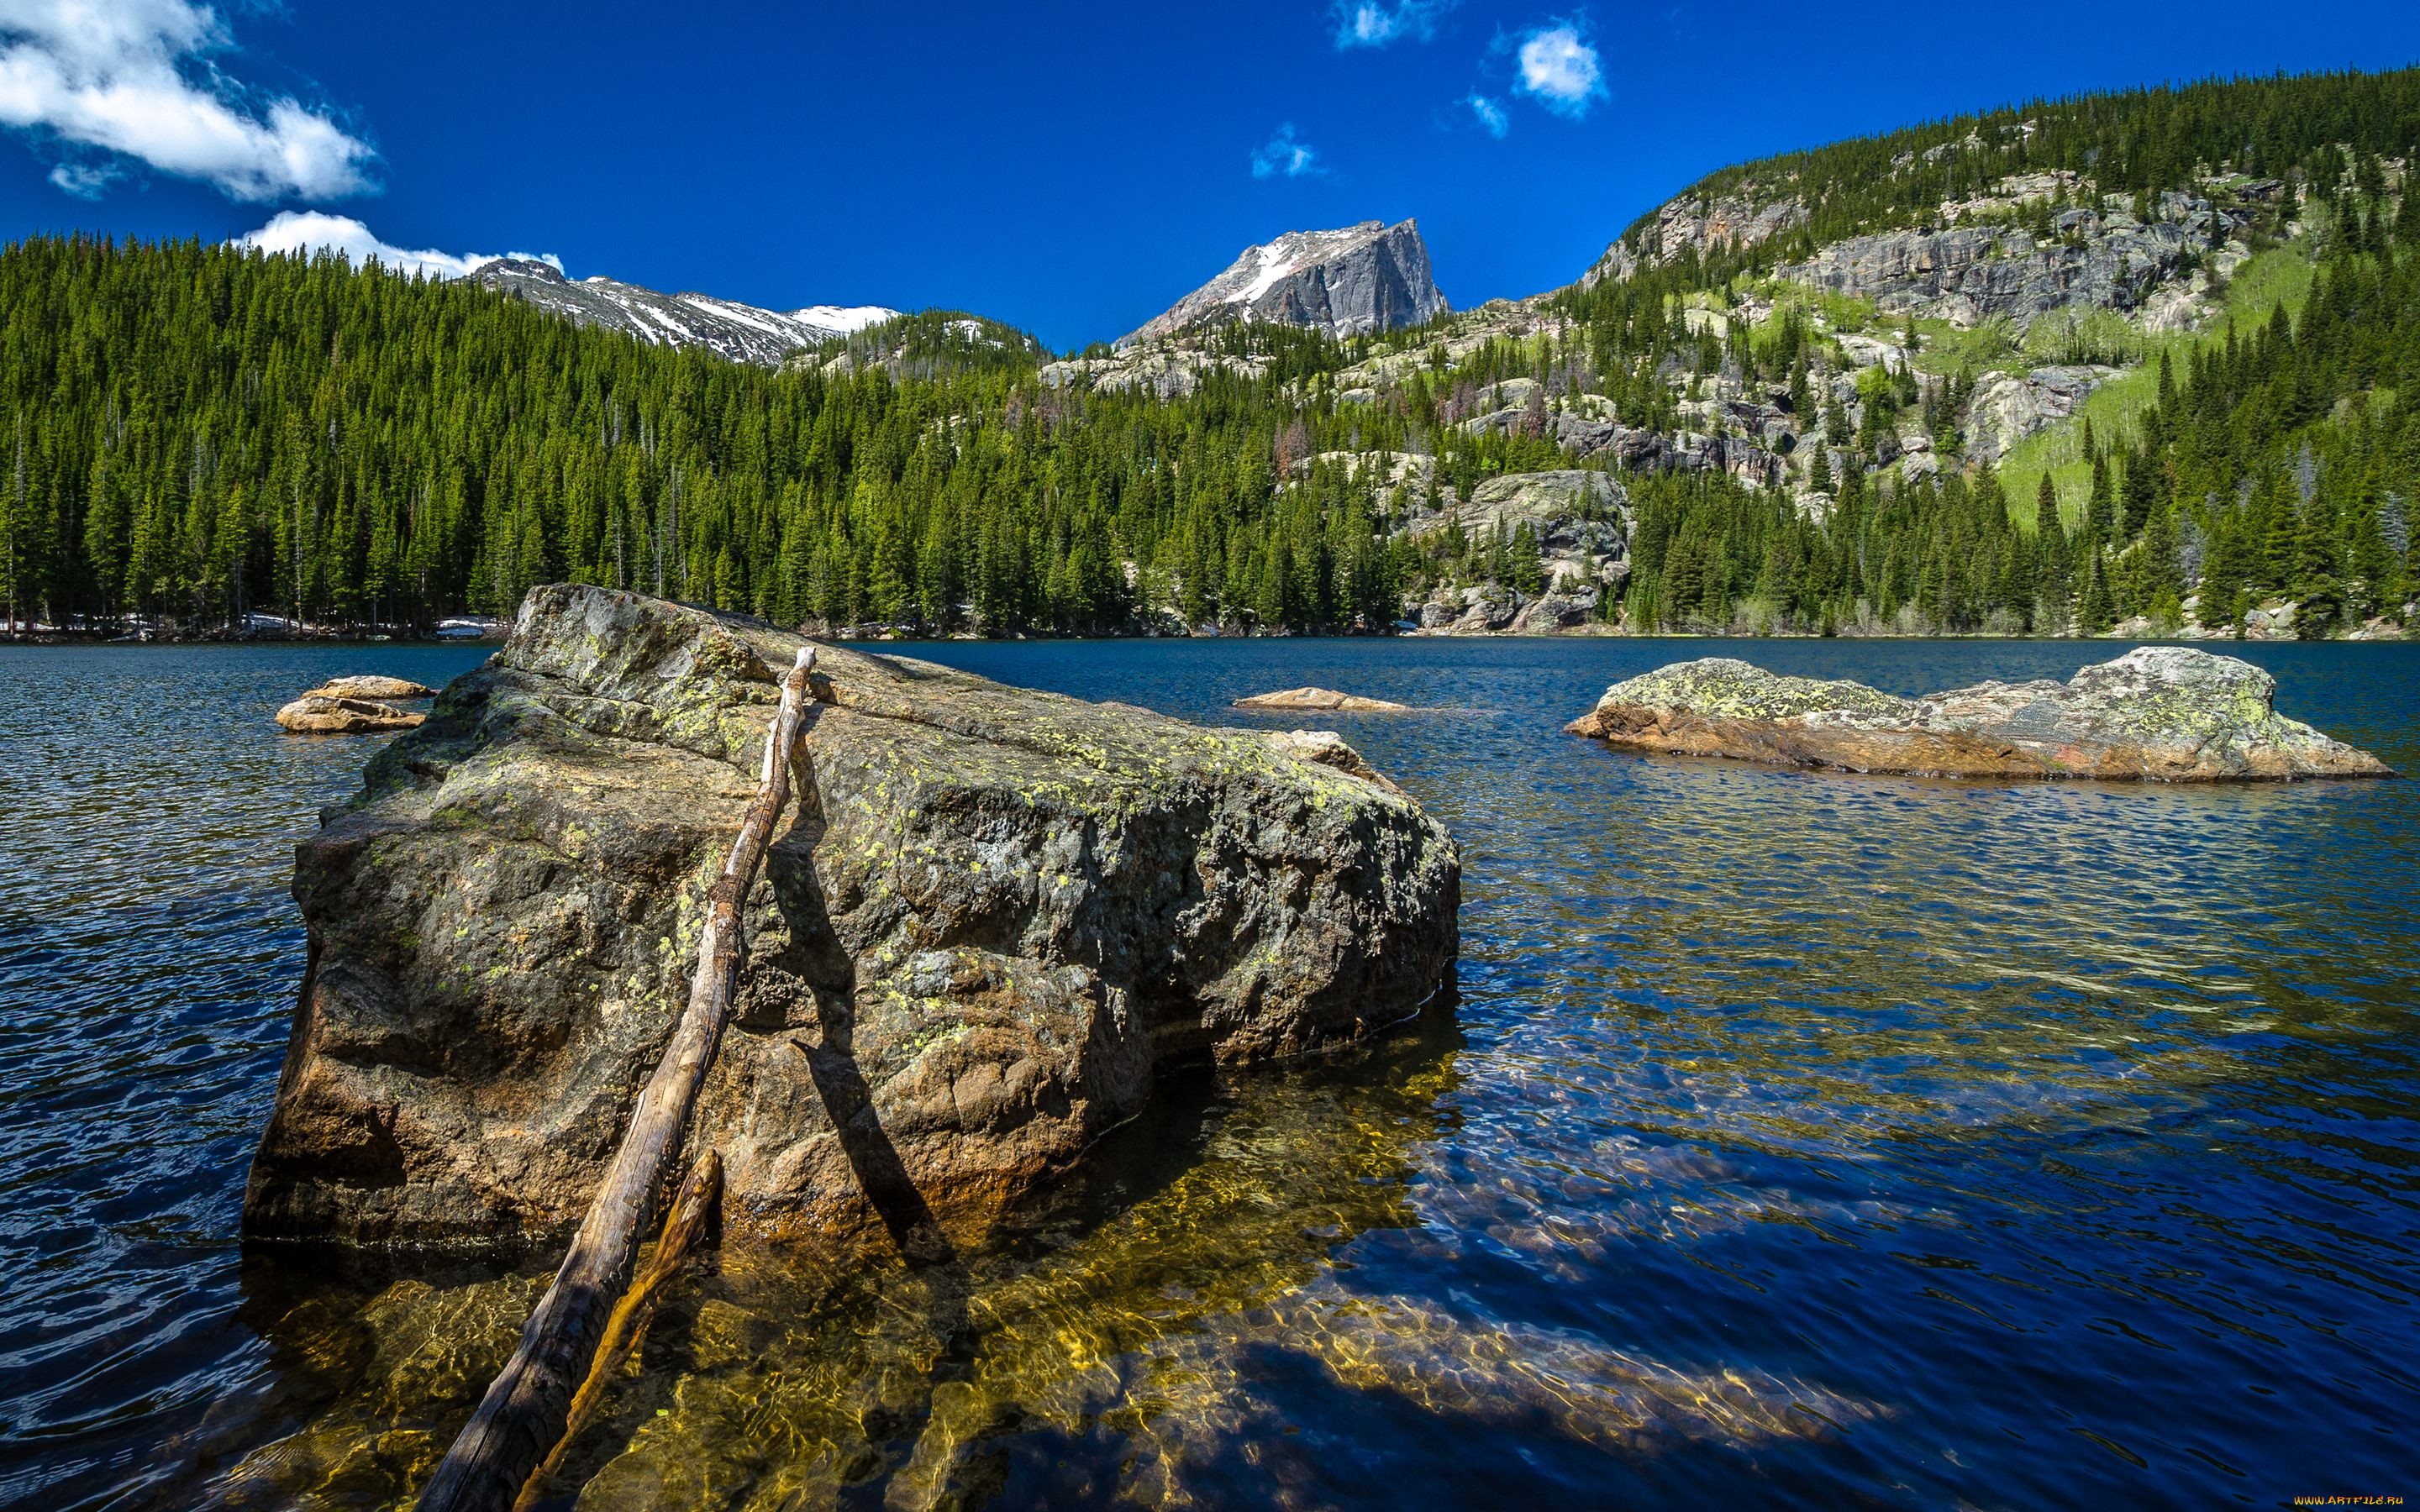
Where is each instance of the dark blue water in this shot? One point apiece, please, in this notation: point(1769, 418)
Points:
point(1799, 1139)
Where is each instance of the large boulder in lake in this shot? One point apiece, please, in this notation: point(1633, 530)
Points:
point(992, 917)
point(2159, 712)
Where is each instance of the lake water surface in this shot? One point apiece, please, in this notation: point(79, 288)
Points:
point(1799, 1139)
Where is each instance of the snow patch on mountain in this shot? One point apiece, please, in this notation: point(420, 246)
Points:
point(727, 327)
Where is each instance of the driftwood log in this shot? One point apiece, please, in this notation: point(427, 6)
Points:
point(688, 1218)
point(522, 1417)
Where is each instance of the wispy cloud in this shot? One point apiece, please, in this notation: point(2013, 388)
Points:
point(1491, 115)
point(1284, 155)
point(1559, 69)
point(1372, 23)
point(309, 231)
point(119, 79)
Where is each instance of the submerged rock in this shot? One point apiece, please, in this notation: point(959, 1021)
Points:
point(1322, 698)
point(324, 713)
point(370, 686)
point(2158, 712)
point(992, 917)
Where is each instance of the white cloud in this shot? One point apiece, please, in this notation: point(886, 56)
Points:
point(1558, 69)
point(1282, 154)
point(1372, 23)
point(1491, 115)
point(132, 77)
point(309, 231)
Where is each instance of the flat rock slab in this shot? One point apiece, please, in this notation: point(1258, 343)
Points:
point(370, 686)
point(323, 714)
point(1320, 699)
point(2165, 714)
point(994, 916)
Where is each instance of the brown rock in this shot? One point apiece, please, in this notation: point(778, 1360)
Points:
point(1321, 698)
point(321, 714)
point(994, 919)
point(370, 686)
point(2158, 714)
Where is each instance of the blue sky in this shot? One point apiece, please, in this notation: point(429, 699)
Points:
point(1072, 168)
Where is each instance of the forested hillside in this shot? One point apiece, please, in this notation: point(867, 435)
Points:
point(2149, 358)
point(198, 432)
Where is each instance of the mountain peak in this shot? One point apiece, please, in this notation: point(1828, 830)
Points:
point(1371, 276)
point(725, 327)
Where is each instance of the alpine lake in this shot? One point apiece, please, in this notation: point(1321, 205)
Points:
point(1796, 1139)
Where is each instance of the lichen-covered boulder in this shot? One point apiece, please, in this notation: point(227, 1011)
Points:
point(991, 919)
point(324, 713)
point(2158, 712)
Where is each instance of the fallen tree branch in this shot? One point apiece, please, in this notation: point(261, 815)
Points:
point(630, 1316)
point(523, 1413)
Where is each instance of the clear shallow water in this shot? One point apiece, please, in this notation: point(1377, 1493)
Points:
point(1798, 1139)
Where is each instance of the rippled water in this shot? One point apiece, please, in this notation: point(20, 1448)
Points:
point(1799, 1139)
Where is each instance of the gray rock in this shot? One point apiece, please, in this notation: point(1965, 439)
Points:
point(1972, 274)
point(1691, 223)
point(992, 917)
point(1361, 278)
point(2158, 712)
point(2007, 407)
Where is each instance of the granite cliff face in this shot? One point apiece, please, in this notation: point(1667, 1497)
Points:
point(993, 919)
point(742, 332)
point(2165, 714)
point(1360, 278)
point(1725, 223)
point(2093, 260)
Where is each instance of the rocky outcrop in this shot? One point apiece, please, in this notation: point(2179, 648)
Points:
point(321, 713)
point(1320, 699)
point(1359, 278)
point(1971, 274)
point(996, 916)
point(1170, 369)
point(2158, 714)
point(2007, 408)
point(1581, 519)
point(370, 686)
point(1694, 224)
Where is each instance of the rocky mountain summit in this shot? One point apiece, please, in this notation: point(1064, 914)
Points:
point(2165, 714)
point(996, 917)
point(742, 332)
point(1357, 279)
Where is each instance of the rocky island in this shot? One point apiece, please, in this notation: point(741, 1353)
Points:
point(2165, 714)
point(996, 918)
point(1320, 699)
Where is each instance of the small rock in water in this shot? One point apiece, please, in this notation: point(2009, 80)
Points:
point(2167, 714)
point(1324, 699)
point(370, 686)
point(319, 714)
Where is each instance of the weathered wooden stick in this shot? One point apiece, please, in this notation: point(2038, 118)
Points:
point(630, 1316)
point(524, 1413)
